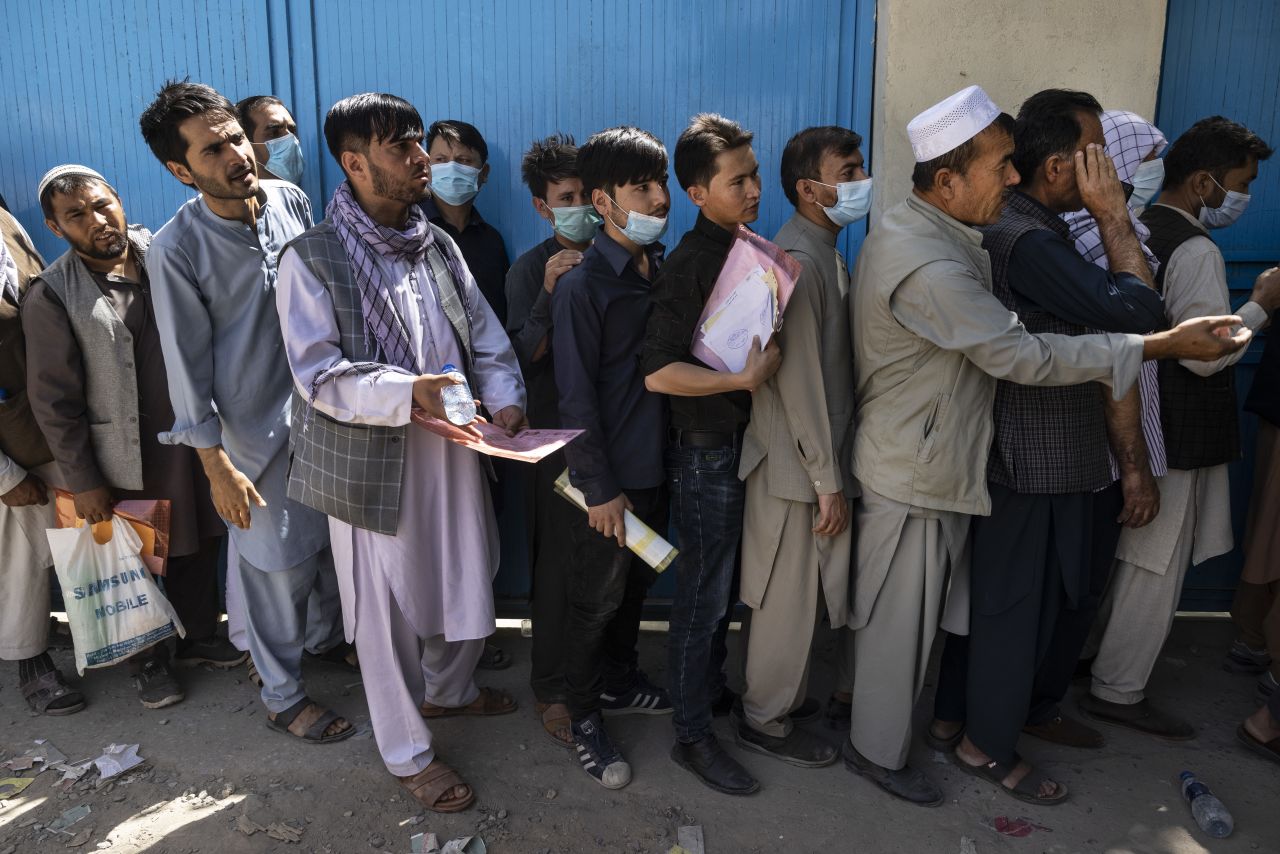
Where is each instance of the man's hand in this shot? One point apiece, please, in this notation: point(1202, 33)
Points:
point(512, 419)
point(1200, 339)
point(1141, 497)
point(833, 515)
point(557, 265)
point(1099, 185)
point(30, 491)
point(233, 493)
point(1266, 290)
point(608, 520)
point(426, 396)
point(761, 364)
point(95, 505)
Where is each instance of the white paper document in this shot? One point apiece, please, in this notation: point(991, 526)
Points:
point(641, 539)
point(749, 312)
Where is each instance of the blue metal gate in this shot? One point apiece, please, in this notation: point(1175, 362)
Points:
point(517, 69)
point(1220, 57)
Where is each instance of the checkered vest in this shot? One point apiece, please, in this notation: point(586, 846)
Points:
point(1048, 440)
point(353, 472)
point(1198, 414)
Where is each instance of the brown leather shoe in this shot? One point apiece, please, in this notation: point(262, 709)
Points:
point(1141, 716)
point(1066, 731)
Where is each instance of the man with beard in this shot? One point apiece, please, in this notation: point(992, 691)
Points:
point(213, 267)
point(96, 381)
point(377, 306)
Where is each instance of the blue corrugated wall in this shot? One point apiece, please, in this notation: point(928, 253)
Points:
point(1222, 57)
point(517, 69)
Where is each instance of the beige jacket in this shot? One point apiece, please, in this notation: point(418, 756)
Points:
point(802, 418)
point(929, 341)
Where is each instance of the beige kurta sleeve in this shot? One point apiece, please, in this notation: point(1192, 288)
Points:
point(800, 384)
point(1195, 285)
point(947, 304)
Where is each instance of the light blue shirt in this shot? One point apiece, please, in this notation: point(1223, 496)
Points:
point(213, 282)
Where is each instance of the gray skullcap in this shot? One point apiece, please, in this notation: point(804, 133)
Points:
point(63, 171)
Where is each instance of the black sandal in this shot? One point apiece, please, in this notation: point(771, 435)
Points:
point(307, 720)
point(1028, 788)
point(48, 688)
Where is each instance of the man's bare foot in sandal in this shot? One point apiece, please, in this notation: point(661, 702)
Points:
point(439, 788)
point(1019, 780)
point(311, 722)
point(557, 723)
point(490, 701)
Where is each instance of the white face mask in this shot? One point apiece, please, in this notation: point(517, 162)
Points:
point(1226, 213)
point(1147, 180)
point(853, 201)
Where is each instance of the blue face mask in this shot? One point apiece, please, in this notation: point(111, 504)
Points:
point(454, 183)
point(576, 223)
point(1147, 180)
point(641, 229)
point(284, 158)
point(853, 201)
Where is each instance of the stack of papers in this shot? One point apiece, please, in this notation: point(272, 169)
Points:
point(751, 311)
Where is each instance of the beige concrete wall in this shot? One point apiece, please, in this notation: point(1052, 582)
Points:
point(927, 49)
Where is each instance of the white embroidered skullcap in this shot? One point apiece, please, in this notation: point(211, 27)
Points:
point(950, 123)
point(63, 171)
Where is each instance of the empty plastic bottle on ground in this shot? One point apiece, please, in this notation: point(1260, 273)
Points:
point(459, 404)
point(1209, 812)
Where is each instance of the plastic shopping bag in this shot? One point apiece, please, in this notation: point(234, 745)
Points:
point(114, 607)
point(149, 518)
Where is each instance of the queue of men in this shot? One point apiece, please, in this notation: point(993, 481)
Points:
point(1012, 422)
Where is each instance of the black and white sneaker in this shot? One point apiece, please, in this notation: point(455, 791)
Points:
point(157, 687)
point(644, 698)
point(597, 754)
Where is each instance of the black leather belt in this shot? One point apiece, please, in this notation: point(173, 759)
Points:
point(704, 439)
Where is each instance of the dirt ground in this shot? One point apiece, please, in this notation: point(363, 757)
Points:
point(212, 760)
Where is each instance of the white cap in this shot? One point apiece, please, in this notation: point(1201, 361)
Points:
point(950, 123)
point(62, 172)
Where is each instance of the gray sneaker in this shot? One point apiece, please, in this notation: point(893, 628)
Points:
point(157, 686)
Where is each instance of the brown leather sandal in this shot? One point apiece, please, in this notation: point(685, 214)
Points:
point(491, 701)
point(430, 786)
point(48, 688)
point(308, 721)
point(557, 723)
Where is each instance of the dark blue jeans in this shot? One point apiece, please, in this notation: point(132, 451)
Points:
point(706, 511)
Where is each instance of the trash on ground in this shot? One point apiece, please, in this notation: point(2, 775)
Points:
point(43, 754)
point(11, 787)
point(68, 818)
point(1017, 827)
point(968, 846)
point(116, 759)
point(80, 838)
point(689, 838)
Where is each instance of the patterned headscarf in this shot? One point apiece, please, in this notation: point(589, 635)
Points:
point(1130, 138)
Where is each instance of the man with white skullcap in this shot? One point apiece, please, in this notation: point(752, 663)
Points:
point(930, 339)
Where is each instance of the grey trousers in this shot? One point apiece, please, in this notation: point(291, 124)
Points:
point(324, 610)
point(275, 623)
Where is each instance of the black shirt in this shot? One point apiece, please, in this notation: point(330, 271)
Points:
point(598, 311)
point(679, 294)
point(528, 323)
point(483, 250)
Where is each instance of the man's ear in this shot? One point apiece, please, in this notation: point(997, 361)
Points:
point(180, 171)
point(352, 163)
point(805, 191)
point(944, 184)
point(53, 226)
point(1055, 167)
point(698, 195)
point(600, 201)
point(543, 209)
point(484, 175)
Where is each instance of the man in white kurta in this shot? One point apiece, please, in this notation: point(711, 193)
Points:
point(418, 602)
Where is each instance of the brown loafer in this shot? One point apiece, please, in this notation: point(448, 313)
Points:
point(1066, 731)
point(490, 701)
point(1141, 717)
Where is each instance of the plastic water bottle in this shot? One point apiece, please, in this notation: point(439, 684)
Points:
point(1209, 812)
point(459, 405)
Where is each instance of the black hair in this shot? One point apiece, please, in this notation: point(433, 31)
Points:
point(245, 108)
point(1049, 123)
point(548, 161)
point(959, 158)
point(177, 101)
point(707, 135)
point(67, 184)
point(802, 158)
point(355, 122)
point(1214, 144)
point(621, 155)
point(458, 133)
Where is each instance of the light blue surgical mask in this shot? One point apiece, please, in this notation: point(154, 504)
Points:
point(1147, 180)
point(284, 158)
point(853, 201)
point(641, 229)
point(576, 223)
point(1233, 205)
point(454, 183)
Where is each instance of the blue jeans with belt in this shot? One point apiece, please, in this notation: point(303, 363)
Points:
point(707, 500)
